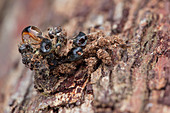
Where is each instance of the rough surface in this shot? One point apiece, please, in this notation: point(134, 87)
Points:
point(134, 78)
point(60, 79)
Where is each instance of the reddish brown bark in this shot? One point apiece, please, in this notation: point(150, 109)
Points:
point(137, 82)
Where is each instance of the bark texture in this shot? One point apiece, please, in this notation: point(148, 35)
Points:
point(137, 82)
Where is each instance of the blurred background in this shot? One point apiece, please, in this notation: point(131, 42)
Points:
point(120, 17)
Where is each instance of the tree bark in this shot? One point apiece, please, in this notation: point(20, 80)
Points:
point(139, 79)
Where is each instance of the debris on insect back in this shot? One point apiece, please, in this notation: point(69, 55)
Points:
point(63, 66)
